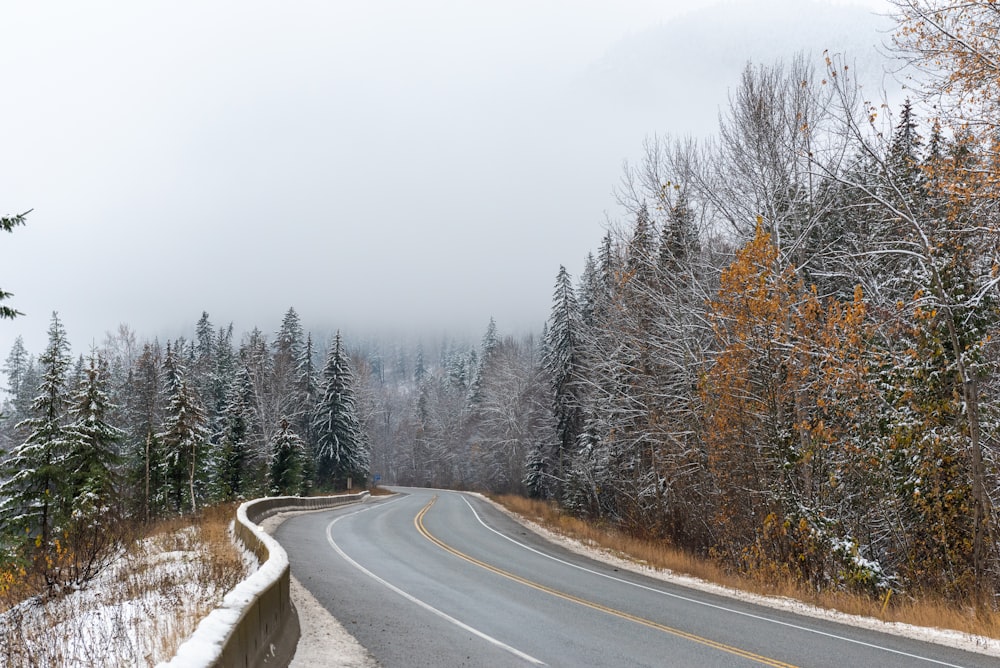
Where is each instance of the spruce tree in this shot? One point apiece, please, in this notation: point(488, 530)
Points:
point(285, 473)
point(7, 224)
point(307, 395)
point(183, 439)
point(287, 354)
point(33, 491)
point(679, 239)
point(486, 350)
point(22, 381)
point(419, 368)
point(144, 455)
point(15, 367)
point(232, 475)
point(342, 453)
point(201, 367)
point(93, 458)
point(221, 376)
point(562, 362)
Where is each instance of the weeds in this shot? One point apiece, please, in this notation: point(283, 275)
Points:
point(138, 610)
point(659, 555)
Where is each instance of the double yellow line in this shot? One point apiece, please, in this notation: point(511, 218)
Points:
point(418, 521)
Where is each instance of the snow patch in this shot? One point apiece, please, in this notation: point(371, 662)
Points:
point(123, 616)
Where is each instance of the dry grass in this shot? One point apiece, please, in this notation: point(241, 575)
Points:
point(139, 610)
point(660, 555)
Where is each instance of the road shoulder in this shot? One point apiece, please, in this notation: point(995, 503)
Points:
point(945, 637)
point(324, 640)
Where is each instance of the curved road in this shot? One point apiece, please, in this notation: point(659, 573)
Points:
point(435, 578)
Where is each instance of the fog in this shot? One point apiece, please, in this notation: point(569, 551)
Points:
point(381, 166)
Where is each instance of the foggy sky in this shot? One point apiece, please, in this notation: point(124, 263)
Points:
point(387, 165)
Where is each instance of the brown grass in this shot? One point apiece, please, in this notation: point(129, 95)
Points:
point(660, 555)
point(219, 568)
point(140, 611)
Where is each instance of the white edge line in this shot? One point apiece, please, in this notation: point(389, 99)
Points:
point(413, 599)
point(705, 603)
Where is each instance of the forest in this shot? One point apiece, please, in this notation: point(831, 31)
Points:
point(783, 357)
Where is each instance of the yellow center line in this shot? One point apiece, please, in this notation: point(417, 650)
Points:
point(418, 521)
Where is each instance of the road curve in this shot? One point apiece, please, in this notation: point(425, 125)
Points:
point(435, 578)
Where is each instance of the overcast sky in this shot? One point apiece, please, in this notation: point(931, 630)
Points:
point(379, 165)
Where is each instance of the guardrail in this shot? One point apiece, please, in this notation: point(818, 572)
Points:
point(256, 624)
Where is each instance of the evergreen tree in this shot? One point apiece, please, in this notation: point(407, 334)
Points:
point(287, 356)
point(93, 458)
point(419, 368)
point(563, 365)
point(33, 491)
point(144, 406)
point(232, 474)
point(639, 256)
point(15, 367)
point(342, 452)
point(307, 392)
point(588, 292)
point(202, 365)
point(22, 383)
point(183, 440)
point(222, 375)
point(680, 236)
point(486, 350)
point(285, 475)
point(259, 364)
point(905, 149)
point(7, 224)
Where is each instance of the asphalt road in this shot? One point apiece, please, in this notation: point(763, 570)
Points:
point(434, 578)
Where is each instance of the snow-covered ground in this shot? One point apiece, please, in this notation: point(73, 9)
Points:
point(133, 614)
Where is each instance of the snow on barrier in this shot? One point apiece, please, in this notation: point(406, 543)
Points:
point(256, 624)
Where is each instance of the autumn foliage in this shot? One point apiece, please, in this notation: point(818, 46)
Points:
point(785, 401)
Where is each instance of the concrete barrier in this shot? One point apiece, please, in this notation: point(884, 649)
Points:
point(256, 624)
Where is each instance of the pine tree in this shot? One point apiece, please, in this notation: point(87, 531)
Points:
point(232, 475)
point(221, 375)
point(563, 364)
point(307, 396)
point(486, 349)
point(183, 440)
point(16, 366)
point(144, 407)
point(285, 474)
point(22, 382)
point(679, 239)
point(588, 292)
point(259, 364)
point(287, 356)
point(7, 224)
point(419, 368)
point(34, 492)
point(342, 453)
point(93, 459)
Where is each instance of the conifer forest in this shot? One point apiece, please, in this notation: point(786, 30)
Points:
point(783, 356)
